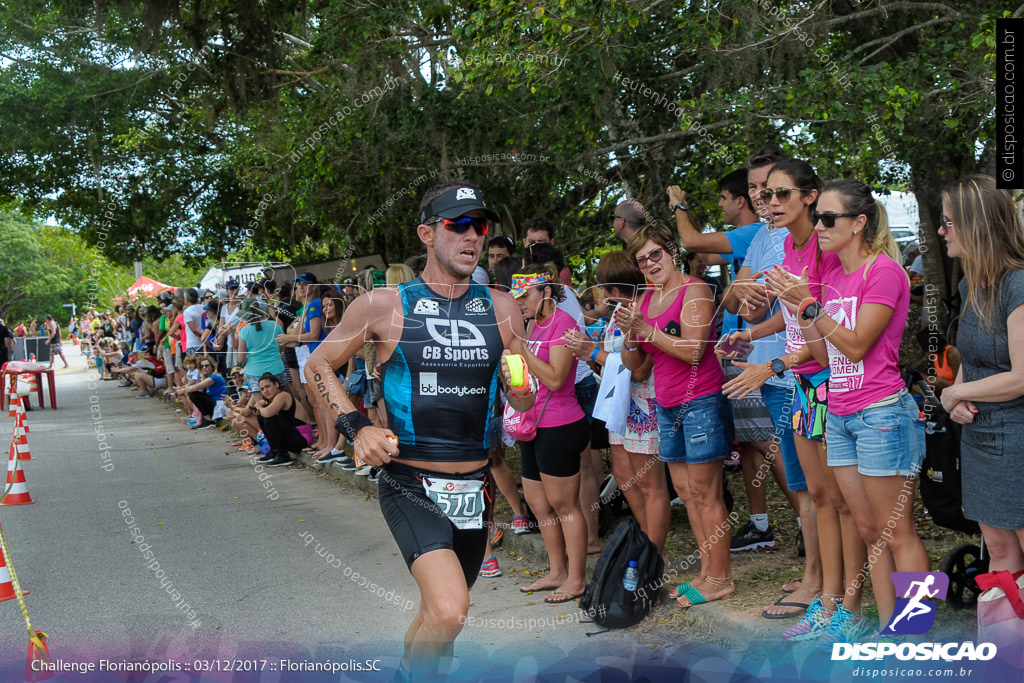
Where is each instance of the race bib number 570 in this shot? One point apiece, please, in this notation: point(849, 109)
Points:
point(461, 500)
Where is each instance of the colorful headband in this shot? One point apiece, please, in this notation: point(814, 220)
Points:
point(521, 283)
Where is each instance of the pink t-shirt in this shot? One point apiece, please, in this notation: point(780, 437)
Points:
point(675, 381)
point(794, 263)
point(562, 408)
point(854, 386)
point(180, 319)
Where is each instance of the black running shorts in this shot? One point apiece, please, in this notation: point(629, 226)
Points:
point(419, 526)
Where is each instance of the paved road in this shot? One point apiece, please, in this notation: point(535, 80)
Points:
point(170, 546)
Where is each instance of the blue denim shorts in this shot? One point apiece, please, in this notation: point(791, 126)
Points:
point(780, 404)
point(696, 432)
point(885, 441)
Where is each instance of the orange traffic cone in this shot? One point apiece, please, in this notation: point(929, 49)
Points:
point(20, 445)
point(6, 587)
point(16, 407)
point(17, 487)
point(21, 421)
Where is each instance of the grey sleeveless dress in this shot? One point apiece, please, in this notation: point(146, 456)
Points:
point(992, 447)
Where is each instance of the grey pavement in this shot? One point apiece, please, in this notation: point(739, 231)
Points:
point(171, 547)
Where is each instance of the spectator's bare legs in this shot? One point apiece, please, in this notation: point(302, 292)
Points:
point(591, 474)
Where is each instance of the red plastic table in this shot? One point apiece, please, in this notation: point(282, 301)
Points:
point(5, 390)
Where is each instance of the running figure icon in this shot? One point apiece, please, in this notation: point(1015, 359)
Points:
point(916, 596)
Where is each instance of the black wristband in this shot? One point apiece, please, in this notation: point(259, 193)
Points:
point(349, 424)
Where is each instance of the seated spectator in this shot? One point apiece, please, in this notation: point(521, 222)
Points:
point(284, 421)
point(151, 373)
point(207, 394)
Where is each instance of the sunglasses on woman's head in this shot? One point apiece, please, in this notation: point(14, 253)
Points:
point(829, 219)
point(653, 257)
point(461, 225)
point(783, 193)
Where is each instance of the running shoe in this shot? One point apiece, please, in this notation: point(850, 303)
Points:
point(490, 568)
point(268, 457)
point(374, 475)
point(750, 538)
point(143, 396)
point(281, 460)
point(349, 465)
point(192, 421)
point(520, 524)
point(894, 638)
point(496, 534)
point(845, 627)
point(363, 471)
point(331, 457)
point(811, 625)
point(205, 424)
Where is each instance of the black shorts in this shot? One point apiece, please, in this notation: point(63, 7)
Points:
point(555, 451)
point(291, 361)
point(419, 526)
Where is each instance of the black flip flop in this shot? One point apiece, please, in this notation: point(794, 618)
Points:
point(786, 603)
point(537, 590)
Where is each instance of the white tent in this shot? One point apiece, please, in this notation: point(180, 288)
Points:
point(216, 277)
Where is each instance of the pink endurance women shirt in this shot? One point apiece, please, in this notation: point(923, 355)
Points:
point(562, 408)
point(854, 386)
point(676, 381)
point(794, 263)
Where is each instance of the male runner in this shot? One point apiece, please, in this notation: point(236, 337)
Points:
point(440, 339)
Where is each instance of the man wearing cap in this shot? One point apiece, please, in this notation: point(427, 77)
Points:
point(440, 339)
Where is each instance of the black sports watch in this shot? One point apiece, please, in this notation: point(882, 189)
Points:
point(811, 311)
point(681, 206)
point(779, 367)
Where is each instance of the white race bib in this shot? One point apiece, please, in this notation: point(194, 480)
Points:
point(461, 500)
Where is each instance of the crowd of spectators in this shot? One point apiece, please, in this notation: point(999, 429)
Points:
point(795, 342)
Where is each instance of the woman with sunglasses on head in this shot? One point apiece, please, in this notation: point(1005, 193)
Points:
point(855, 324)
point(982, 228)
point(551, 461)
point(792, 193)
point(206, 393)
point(674, 325)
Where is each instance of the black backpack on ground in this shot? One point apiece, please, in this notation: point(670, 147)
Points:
point(605, 599)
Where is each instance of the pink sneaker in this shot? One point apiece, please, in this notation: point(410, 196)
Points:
point(490, 568)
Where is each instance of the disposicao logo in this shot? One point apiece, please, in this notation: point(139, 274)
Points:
point(915, 614)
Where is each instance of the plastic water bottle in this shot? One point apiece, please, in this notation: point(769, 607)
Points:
point(631, 577)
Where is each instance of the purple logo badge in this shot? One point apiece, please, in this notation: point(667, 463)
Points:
point(915, 612)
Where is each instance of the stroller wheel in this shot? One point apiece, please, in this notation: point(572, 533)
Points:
point(962, 564)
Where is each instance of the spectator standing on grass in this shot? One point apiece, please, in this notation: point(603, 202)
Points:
point(551, 460)
point(982, 227)
point(193, 321)
point(53, 339)
point(746, 295)
point(875, 440)
point(673, 325)
point(751, 419)
point(834, 616)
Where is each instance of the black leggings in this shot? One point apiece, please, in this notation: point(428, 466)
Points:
point(281, 434)
point(204, 402)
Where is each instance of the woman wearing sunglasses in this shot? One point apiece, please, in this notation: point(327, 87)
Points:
point(792, 193)
point(855, 324)
point(551, 461)
point(673, 324)
point(981, 226)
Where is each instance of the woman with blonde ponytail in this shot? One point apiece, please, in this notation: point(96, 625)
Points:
point(875, 439)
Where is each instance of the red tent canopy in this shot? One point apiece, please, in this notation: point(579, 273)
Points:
point(148, 287)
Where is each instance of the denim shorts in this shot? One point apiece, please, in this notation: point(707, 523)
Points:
point(882, 442)
point(586, 396)
point(696, 432)
point(780, 404)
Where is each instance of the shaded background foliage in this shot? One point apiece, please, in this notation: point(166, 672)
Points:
point(180, 116)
